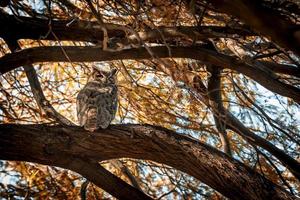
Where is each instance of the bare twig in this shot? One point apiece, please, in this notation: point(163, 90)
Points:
point(37, 90)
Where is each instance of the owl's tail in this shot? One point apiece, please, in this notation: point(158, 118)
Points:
point(91, 122)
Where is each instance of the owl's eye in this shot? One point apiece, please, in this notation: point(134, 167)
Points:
point(99, 75)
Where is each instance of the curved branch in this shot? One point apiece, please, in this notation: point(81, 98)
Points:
point(104, 179)
point(56, 145)
point(37, 90)
point(282, 68)
point(263, 20)
point(259, 73)
point(80, 30)
point(196, 86)
point(126, 172)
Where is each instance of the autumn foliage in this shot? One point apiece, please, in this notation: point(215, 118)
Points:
point(209, 95)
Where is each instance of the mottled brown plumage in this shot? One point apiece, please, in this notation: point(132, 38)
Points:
point(97, 101)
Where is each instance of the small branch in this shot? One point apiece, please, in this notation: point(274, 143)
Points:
point(276, 169)
point(197, 88)
point(289, 162)
point(100, 22)
point(214, 94)
point(124, 169)
point(37, 90)
point(74, 9)
point(166, 194)
point(83, 189)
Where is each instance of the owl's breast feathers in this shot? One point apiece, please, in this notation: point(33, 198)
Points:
point(96, 105)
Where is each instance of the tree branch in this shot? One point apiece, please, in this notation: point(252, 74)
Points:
point(74, 9)
point(79, 30)
point(234, 124)
point(259, 73)
point(282, 68)
point(101, 177)
point(195, 85)
point(114, 185)
point(37, 90)
point(72, 148)
point(214, 94)
point(126, 172)
point(263, 20)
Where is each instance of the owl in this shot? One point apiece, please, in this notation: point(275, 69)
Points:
point(97, 101)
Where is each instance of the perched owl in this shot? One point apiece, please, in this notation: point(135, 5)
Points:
point(97, 101)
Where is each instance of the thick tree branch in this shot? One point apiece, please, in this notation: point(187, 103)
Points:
point(95, 173)
point(34, 28)
point(282, 68)
point(259, 73)
point(196, 86)
point(78, 30)
point(242, 53)
point(214, 93)
point(66, 146)
point(233, 123)
point(263, 20)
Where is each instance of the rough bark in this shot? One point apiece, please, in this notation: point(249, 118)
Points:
point(214, 93)
point(196, 86)
point(262, 75)
point(14, 28)
point(72, 148)
point(292, 164)
point(263, 20)
point(101, 177)
point(78, 30)
point(282, 68)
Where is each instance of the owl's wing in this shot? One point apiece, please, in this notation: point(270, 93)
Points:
point(81, 106)
point(105, 101)
point(114, 101)
point(114, 104)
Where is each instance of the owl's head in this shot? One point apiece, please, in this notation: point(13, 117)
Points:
point(104, 76)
